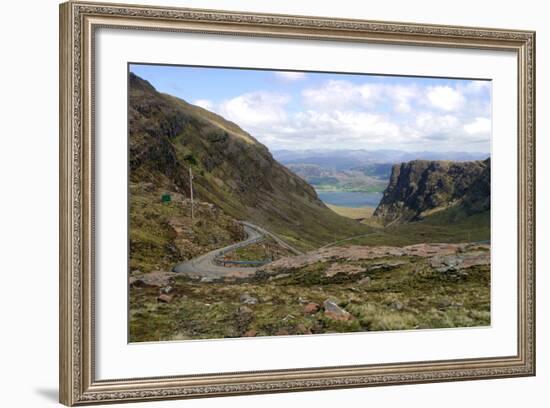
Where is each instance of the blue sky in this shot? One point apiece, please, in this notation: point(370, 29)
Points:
point(305, 110)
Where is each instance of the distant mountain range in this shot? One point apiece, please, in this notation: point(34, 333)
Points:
point(357, 170)
point(347, 159)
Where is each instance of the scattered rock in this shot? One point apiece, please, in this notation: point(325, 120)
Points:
point(135, 282)
point(453, 263)
point(446, 263)
point(167, 290)
point(177, 196)
point(147, 186)
point(365, 281)
point(311, 308)
point(444, 303)
point(386, 266)
point(248, 300)
point(243, 317)
point(302, 300)
point(355, 253)
point(279, 276)
point(206, 279)
point(250, 333)
point(302, 329)
point(396, 305)
point(164, 298)
point(333, 311)
point(282, 332)
point(244, 310)
point(153, 279)
point(336, 268)
point(476, 258)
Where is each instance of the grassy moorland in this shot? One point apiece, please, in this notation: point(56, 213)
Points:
point(450, 226)
point(393, 292)
point(388, 293)
point(359, 213)
point(267, 249)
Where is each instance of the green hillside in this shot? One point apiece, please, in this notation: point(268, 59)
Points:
point(231, 169)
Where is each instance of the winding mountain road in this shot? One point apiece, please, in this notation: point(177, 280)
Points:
point(205, 265)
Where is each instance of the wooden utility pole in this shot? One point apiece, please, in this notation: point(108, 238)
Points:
point(191, 192)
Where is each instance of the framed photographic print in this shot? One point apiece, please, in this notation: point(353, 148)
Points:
point(258, 203)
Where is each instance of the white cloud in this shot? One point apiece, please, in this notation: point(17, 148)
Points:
point(346, 95)
point(445, 98)
point(256, 109)
point(340, 113)
point(480, 126)
point(359, 126)
point(205, 103)
point(337, 94)
point(402, 97)
point(429, 127)
point(290, 76)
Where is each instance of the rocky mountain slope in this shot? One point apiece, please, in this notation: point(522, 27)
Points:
point(231, 169)
point(421, 188)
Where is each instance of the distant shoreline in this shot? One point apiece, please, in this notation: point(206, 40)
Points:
point(355, 213)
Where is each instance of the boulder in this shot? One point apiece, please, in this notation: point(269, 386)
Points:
point(164, 298)
point(335, 312)
point(166, 290)
point(136, 282)
point(244, 310)
point(396, 305)
point(446, 263)
point(248, 300)
point(153, 279)
point(365, 281)
point(311, 308)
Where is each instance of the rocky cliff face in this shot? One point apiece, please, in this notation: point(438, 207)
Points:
point(420, 188)
point(231, 169)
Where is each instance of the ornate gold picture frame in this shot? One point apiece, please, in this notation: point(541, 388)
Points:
point(79, 22)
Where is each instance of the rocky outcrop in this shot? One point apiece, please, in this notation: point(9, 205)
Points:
point(350, 260)
point(420, 188)
point(152, 279)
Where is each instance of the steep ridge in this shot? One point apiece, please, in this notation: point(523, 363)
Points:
point(231, 169)
point(421, 188)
